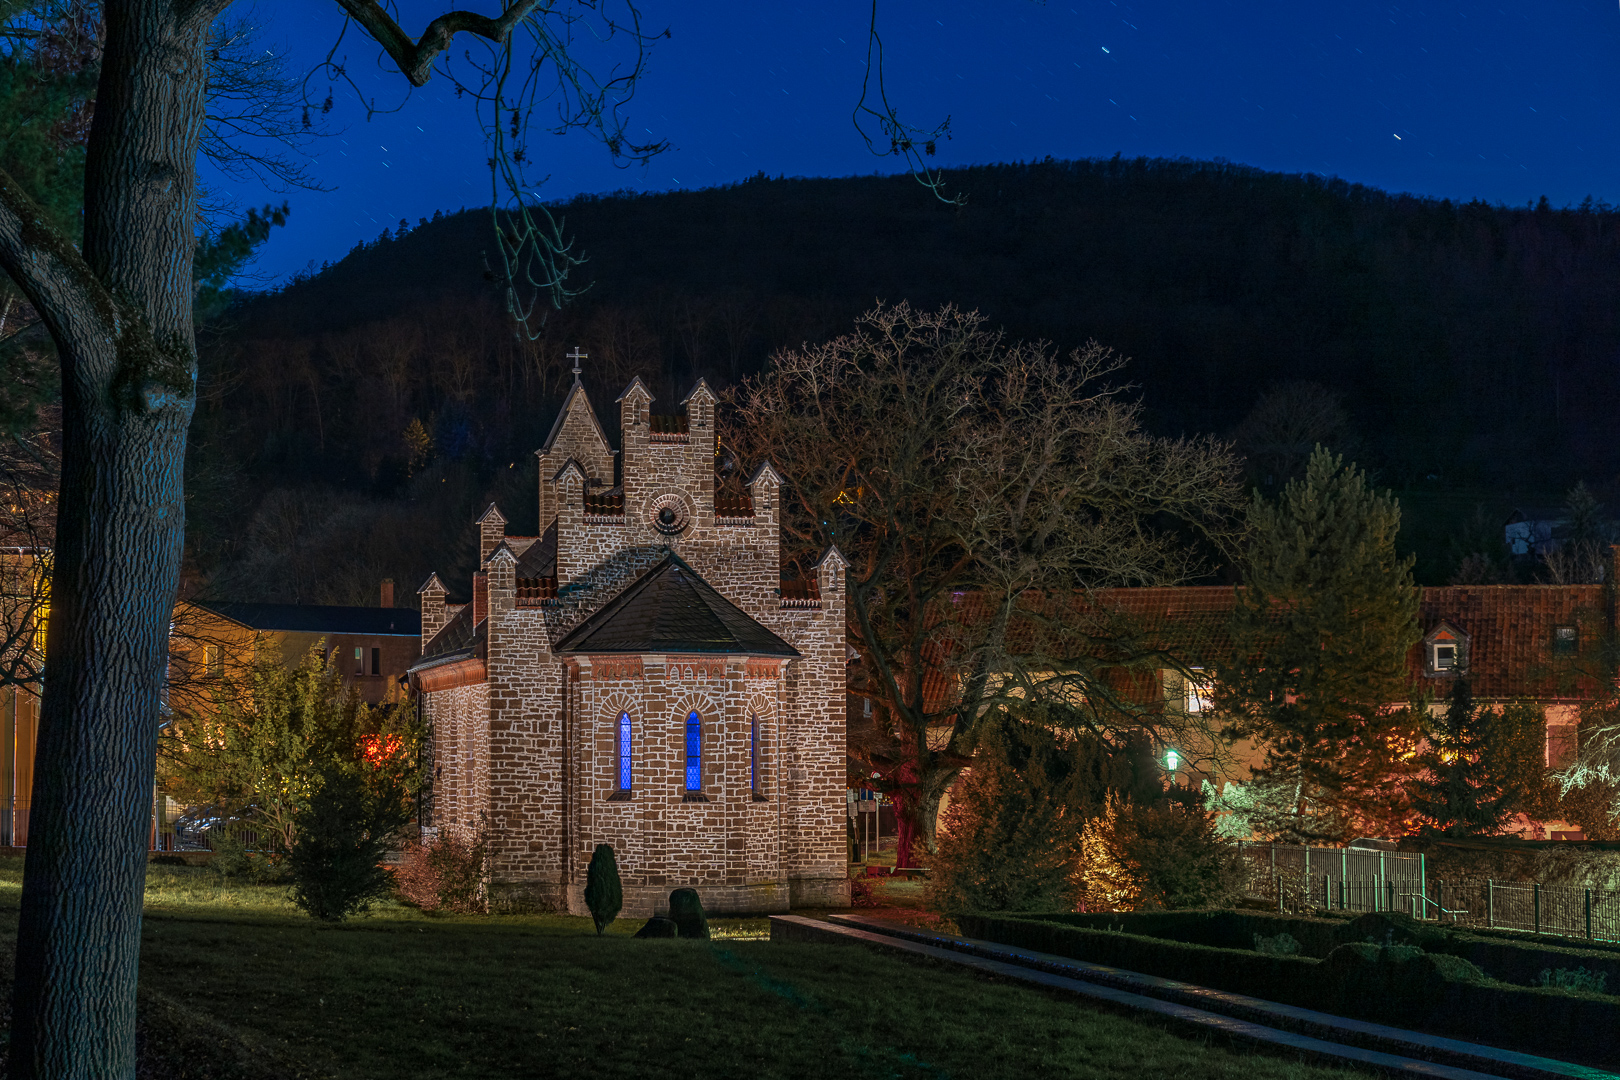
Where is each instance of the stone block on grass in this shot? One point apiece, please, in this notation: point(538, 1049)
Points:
point(658, 926)
point(686, 909)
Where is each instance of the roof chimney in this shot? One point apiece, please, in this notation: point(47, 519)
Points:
point(480, 600)
point(387, 592)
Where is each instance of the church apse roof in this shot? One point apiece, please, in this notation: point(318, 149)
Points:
point(670, 609)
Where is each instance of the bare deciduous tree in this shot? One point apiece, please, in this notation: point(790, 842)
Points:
point(983, 490)
point(1285, 425)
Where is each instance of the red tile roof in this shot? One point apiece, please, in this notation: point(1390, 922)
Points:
point(1510, 630)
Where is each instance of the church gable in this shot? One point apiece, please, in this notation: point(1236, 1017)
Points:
point(640, 675)
point(671, 609)
point(576, 436)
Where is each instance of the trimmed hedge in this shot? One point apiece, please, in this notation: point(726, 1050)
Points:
point(1506, 959)
point(1402, 986)
point(1503, 957)
point(1219, 929)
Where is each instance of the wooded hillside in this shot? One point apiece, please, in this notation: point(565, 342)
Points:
point(1472, 345)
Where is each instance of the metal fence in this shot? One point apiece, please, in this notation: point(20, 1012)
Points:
point(1303, 877)
point(1299, 878)
point(1565, 910)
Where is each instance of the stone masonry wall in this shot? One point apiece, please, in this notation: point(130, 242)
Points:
point(458, 724)
point(730, 842)
point(549, 739)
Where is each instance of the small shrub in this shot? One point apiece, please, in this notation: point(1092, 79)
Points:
point(861, 894)
point(1157, 856)
point(1007, 841)
point(230, 858)
point(603, 893)
point(1398, 928)
point(335, 860)
point(686, 912)
point(447, 875)
point(1276, 945)
point(1578, 979)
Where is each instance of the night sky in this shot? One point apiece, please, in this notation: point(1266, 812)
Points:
point(1500, 101)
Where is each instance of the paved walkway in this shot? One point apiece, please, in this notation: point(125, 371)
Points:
point(1236, 1016)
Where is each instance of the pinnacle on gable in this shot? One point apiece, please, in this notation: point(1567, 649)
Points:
point(566, 466)
point(492, 516)
point(766, 472)
point(833, 559)
point(576, 397)
point(636, 388)
point(432, 584)
point(700, 392)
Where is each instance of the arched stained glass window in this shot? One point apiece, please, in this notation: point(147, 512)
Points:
point(753, 754)
point(625, 752)
point(694, 752)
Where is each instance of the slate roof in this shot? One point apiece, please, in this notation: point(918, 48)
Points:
point(670, 609)
point(539, 560)
point(322, 619)
point(455, 638)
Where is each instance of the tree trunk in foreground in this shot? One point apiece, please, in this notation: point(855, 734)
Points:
point(121, 319)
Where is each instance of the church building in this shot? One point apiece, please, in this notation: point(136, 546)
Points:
point(641, 674)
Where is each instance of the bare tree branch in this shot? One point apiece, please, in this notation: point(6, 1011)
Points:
point(50, 272)
point(415, 59)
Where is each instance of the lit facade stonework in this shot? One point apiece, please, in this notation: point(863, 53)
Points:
point(645, 622)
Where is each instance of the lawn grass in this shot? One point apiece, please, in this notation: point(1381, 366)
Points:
point(401, 994)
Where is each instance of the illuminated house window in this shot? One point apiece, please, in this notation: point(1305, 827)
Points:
point(1566, 639)
point(215, 658)
point(1445, 651)
point(624, 752)
point(1198, 691)
point(694, 752)
point(359, 660)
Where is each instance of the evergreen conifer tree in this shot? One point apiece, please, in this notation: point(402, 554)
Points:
point(336, 859)
point(1318, 672)
point(1479, 773)
point(603, 893)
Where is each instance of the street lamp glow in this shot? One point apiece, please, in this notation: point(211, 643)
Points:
point(1172, 760)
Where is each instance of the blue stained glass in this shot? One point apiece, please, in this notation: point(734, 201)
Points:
point(624, 752)
point(694, 752)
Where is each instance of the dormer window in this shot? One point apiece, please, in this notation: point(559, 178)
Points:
point(1445, 651)
point(1198, 691)
point(1566, 640)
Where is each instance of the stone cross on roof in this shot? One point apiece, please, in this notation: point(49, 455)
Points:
point(576, 356)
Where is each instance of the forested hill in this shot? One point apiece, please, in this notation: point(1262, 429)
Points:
point(1474, 343)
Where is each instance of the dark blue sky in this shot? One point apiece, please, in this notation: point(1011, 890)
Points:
point(1500, 101)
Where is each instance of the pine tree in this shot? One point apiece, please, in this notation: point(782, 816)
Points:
point(1321, 634)
point(1477, 773)
point(1008, 840)
point(604, 896)
point(342, 837)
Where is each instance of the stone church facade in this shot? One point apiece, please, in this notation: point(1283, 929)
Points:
point(641, 675)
